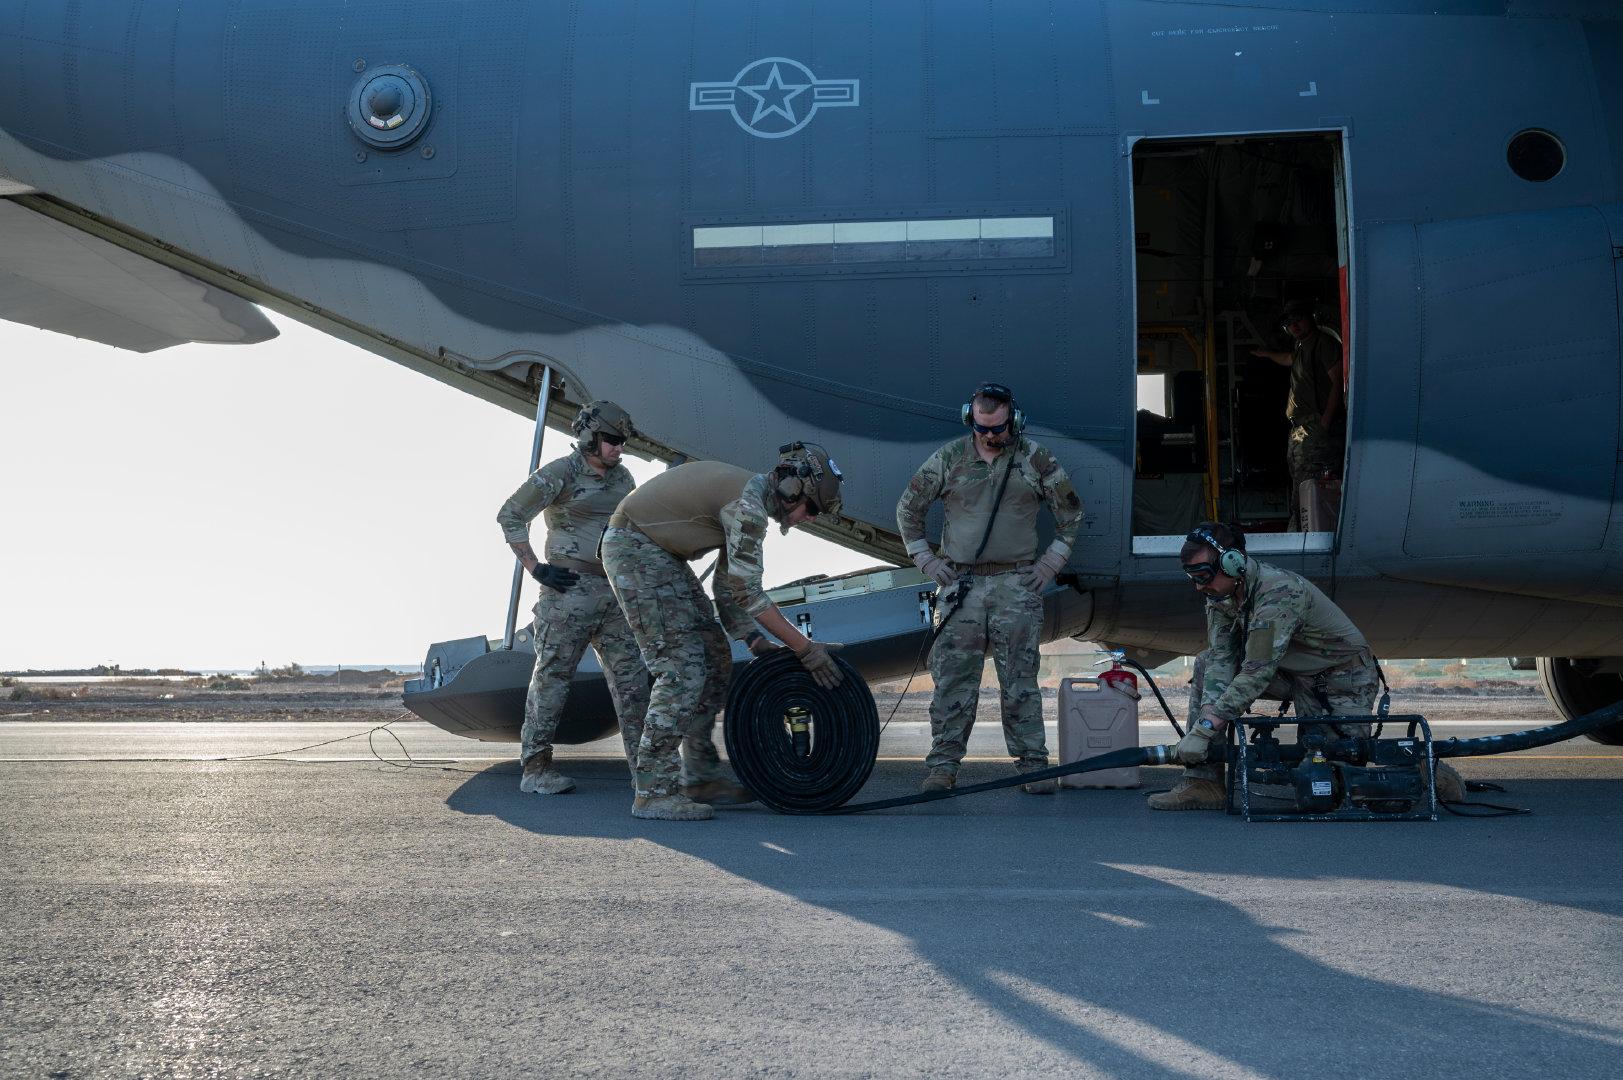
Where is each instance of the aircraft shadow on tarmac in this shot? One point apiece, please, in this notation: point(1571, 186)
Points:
point(1102, 929)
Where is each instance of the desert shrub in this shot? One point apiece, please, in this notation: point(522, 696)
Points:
point(43, 693)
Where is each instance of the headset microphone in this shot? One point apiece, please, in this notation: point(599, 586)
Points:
point(997, 392)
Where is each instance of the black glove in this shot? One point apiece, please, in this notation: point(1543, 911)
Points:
point(554, 577)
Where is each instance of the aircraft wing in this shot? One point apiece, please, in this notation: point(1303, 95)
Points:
point(59, 278)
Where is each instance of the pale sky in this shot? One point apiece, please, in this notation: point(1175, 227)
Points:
point(298, 500)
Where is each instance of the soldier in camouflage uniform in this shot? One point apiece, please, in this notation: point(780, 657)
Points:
point(1270, 634)
point(576, 494)
point(994, 606)
point(1318, 422)
point(681, 514)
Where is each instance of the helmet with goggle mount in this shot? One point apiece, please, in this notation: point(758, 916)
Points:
point(597, 419)
point(806, 471)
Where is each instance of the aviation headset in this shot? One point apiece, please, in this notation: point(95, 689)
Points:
point(997, 392)
point(806, 470)
point(1230, 560)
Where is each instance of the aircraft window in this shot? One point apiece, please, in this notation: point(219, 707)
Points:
point(1536, 156)
point(919, 240)
point(730, 237)
point(870, 232)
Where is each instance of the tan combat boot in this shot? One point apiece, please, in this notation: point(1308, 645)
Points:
point(542, 779)
point(1450, 784)
point(941, 778)
point(670, 808)
point(1036, 787)
point(719, 793)
point(1192, 793)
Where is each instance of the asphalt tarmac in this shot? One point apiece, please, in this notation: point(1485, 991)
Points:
point(327, 913)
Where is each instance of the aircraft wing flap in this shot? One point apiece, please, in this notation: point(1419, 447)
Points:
point(57, 278)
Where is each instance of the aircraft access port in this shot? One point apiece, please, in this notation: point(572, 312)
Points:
point(474, 688)
point(1226, 233)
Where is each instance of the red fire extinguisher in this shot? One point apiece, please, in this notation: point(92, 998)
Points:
point(1118, 677)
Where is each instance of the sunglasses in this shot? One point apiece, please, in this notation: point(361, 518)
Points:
point(612, 440)
point(990, 429)
point(1201, 573)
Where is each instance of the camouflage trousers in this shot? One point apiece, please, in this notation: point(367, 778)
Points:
point(1350, 688)
point(565, 623)
point(1002, 618)
point(687, 654)
point(1308, 453)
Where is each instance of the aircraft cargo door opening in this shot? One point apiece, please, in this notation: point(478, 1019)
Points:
point(1242, 416)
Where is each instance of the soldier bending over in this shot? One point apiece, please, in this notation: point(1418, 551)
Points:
point(676, 517)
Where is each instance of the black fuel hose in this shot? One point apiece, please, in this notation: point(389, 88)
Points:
point(838, 751)
point(1531, 738)
point(1116, 759)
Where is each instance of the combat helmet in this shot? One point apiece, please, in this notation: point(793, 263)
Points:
point(597, 418)
point(805, 470)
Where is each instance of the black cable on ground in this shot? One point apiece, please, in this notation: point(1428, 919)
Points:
point(1116, 759)
point(325, 742)
point(371, 746)
point(836, 753)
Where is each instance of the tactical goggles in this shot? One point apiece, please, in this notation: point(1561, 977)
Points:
point(990, 429)
point(612, 440)
point(1201, 573)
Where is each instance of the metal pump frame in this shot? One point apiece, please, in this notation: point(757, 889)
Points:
point(1238, 795)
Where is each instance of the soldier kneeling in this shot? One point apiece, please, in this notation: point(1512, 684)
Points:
point(1269, 633)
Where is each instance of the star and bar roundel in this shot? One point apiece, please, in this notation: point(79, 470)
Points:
point(773, 97)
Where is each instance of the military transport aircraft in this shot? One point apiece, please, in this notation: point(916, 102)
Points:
point(748, 220)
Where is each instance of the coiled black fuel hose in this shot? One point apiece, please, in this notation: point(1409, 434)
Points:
point(801, 749)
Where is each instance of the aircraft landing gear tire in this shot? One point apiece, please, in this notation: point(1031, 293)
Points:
point(1577, 687)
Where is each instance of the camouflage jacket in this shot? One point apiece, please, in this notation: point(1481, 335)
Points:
point(739, 595)
point(577, 503)
point(1286, 624)
point(968, 487)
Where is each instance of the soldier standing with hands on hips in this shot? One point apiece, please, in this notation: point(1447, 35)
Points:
point(990, 484)
point(577, 494)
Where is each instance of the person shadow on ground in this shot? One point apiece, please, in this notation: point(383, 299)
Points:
point(1143, 944)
